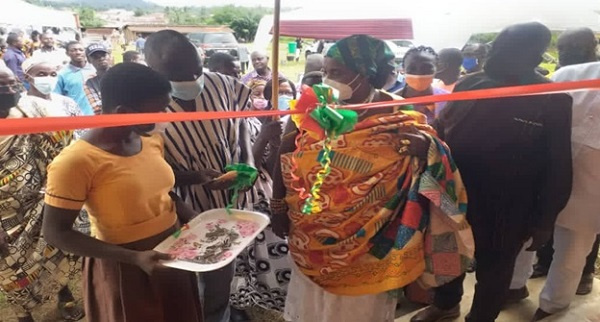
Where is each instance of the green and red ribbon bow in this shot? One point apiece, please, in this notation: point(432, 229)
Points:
point(326, 122)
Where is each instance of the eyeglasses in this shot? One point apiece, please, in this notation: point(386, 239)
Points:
point(13, 88)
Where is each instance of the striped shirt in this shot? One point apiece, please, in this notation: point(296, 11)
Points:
point(212, 144)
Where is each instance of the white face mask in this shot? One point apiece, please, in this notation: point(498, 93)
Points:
point(189, 90)
point(346, 90)
point(45, 84)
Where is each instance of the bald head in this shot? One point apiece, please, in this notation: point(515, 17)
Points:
point(7, 77)
point(172, 54)
point(9, 92)
point(577, 46)
point(314, 63)
point(448, 65)
point(260, 61)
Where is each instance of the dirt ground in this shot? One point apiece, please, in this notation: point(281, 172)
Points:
point(46, 313)
point(49, 313)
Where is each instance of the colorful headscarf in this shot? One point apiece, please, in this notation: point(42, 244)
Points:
point(254, 83)
point(368, 56)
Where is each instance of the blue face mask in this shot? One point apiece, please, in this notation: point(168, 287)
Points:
point(284, 102)
point(469, 63)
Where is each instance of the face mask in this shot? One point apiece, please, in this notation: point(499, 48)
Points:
point(419, 83)
point(346, 90)
point(469, 63)
point(260, 103)
point(188, 91)
point(45, 85)
point(284, 102)
point(150, 130)
point(8, 101)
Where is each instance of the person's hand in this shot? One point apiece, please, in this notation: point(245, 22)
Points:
point(149, 260)
point(539, 237)
point(209, 175)
point(223, 181)
point(417, 144)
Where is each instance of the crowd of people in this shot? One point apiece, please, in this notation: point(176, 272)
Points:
point(417, 195)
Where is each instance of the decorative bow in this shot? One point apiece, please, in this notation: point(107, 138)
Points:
point(325, 123)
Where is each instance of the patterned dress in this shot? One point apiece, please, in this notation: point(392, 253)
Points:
point(263, 269)
point(31, 271)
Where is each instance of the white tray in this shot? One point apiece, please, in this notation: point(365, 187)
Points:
point(247, 224)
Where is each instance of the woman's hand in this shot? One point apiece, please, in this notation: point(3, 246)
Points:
point(149, 260)
point(416, 144)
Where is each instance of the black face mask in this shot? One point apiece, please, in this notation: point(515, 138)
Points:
point(8, 101)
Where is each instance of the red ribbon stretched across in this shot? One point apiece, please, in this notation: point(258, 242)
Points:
point(49, 124)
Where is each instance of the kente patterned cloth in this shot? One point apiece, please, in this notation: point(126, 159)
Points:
point(31, 271)
point(369, 238)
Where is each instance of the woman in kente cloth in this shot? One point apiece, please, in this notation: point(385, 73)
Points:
point(31, 270)
point(388, 175)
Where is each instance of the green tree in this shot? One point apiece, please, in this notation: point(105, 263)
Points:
point(242, 20)
point(88, 18)
point(139, 12)
point(182, 16)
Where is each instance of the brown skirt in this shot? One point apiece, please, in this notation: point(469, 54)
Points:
point(118, 292)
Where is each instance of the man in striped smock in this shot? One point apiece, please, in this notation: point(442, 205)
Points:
point(198, 151)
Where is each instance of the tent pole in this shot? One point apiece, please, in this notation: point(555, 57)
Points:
point(275, 56)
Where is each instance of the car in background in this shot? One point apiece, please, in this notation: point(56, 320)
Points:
point(398, 52)
point(217, 41)
point(403, 45)
point(314, 47)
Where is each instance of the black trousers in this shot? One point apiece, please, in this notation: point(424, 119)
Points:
point(545, 256)
point(494, 273)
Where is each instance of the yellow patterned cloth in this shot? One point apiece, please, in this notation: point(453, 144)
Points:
point(31, 270)
point(369, 237)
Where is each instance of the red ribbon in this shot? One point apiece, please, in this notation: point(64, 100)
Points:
point(50, 124)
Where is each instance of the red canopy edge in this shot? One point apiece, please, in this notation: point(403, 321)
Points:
point(338, 29)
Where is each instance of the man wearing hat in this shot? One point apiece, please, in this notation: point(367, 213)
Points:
point(99, 56)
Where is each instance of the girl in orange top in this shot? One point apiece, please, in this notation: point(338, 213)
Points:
point(120, 175)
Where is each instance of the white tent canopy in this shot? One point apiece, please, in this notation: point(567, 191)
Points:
point(20, 13)
point(449, 23)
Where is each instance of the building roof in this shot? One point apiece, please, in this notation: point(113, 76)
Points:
point(149, 28)
point(326, 29)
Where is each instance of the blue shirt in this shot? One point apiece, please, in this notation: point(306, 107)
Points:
point(14, 58)
point(70, 84)
point(140, 43)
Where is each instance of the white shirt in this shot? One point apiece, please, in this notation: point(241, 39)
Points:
point(582, 212)
point(586, 105)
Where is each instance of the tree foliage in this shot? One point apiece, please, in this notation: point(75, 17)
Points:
point(88, 18)
point(242, 20)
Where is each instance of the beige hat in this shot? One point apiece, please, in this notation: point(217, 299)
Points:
point(29, 63)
